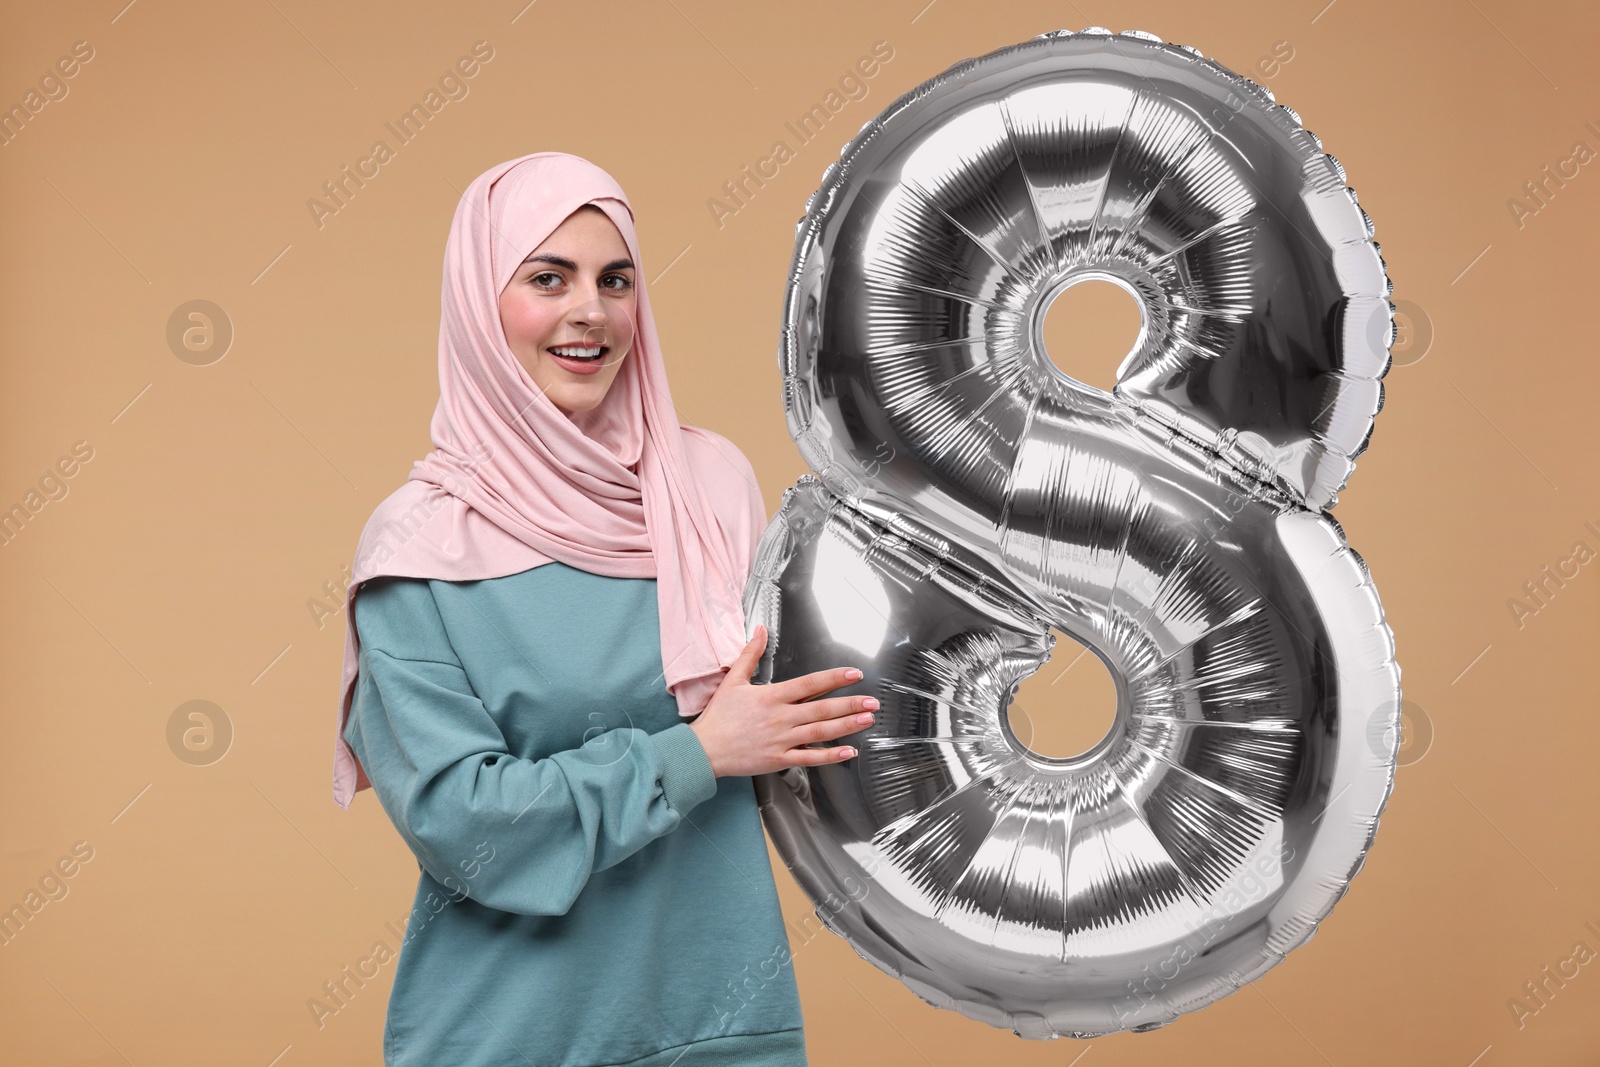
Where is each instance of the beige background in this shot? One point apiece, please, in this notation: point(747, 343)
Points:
point(219, 499)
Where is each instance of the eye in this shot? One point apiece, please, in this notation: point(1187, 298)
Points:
point(623, 278)
point(545, 274)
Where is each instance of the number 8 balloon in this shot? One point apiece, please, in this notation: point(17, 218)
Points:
point(972, 496)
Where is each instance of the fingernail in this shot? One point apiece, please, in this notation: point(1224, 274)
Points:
point(870, 702)
point(848, 753)
point(864, 717)
point(852, 674)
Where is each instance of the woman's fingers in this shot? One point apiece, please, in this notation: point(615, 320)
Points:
point(794, 690)
point(827, 719)
point(744, 665)
point(815, 757)
point(834, 708)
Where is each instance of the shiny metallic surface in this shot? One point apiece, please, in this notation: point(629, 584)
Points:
point(970, 496)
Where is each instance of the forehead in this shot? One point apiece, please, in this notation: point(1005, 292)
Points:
point(585, 236)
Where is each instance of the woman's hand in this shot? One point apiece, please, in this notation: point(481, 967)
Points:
point(757, 729)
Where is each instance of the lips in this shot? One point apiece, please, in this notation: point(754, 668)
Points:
point(571, 351)
point(578, 364)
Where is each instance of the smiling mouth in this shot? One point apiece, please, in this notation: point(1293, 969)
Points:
point(579, 353)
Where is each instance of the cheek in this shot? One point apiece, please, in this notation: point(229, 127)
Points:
point(527, 321)
point(624, 325)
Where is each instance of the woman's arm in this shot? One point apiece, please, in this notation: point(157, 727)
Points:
point(439, 765)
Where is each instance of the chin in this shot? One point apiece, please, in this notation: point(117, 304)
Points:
point(575, 405)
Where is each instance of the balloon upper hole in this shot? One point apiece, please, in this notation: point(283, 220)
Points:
point(1091, 328)
point(1067, 709)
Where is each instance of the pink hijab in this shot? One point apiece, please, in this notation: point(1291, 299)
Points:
point(514, 482)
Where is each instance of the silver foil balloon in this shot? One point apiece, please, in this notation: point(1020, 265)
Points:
point(972, 496)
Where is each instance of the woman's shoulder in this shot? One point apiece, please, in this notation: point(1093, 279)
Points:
point(737, 497)
point(401, 594)
point(719, 461)
point(708, 446)
point(397, 615)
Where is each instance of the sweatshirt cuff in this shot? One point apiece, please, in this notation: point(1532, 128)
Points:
point(686, 775)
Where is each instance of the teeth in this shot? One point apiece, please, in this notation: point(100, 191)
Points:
point(574, 352)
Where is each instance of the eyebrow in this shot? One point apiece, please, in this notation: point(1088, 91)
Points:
point(562, 261)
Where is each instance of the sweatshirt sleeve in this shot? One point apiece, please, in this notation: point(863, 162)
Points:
point(440, 767)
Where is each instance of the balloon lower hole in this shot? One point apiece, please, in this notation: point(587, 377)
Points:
point(1091, 327)
point(1066, 711)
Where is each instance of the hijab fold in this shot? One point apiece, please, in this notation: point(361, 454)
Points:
point(514, 482)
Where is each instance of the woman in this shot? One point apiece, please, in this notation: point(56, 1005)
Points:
point(544, 682)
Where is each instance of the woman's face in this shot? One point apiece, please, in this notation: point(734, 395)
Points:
point(572, 298)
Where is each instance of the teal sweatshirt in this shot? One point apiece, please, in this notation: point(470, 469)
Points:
point(590, 892)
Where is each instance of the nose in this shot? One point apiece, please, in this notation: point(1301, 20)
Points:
point(590, 317)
